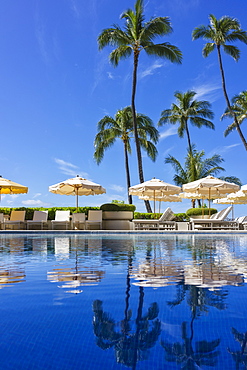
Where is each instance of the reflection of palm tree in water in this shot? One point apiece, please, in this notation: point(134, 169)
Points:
point(204, 353)
point(130, 344)
point(240, 357)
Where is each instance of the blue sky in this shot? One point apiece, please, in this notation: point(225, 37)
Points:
point(55, 85)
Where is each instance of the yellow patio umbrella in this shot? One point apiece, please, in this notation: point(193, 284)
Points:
point(77, 186)
point(154, 188)
point(210, 187)
point(10, 187)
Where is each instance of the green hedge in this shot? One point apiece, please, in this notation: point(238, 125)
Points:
point(51, 211)
point(200, 211)
point(118, 207)
point(154, 216)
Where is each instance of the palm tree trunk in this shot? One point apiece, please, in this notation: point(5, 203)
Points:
point(228, 101)
point(127, 172)
point(193, 169)
point(138, 148)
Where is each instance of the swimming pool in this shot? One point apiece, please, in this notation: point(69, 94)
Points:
point(123, 301)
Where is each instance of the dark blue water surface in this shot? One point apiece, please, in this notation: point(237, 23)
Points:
point(123, 301)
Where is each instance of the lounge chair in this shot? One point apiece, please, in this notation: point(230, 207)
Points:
point(242, 222)
point(62, 218)
point(215, 222)
point(39, 219)
point(1, 221)
point(163, 223)
point(94, 219)
point(17, 218)
point(78, 220)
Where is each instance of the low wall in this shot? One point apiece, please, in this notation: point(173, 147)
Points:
point(117, 220)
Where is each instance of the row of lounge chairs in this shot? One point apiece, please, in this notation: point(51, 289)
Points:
point(62, 219)
point(217, 221)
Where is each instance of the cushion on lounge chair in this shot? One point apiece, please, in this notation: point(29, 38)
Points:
point(39, 218)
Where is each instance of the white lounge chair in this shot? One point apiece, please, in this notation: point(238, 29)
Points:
point(215, 222)
point(62, 218)
point(163, 223)
point(17, 218)
point(78, 220)
point(94, 219)
point(39, 219)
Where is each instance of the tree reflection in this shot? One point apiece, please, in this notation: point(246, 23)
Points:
point(205, 351)
point(134, 338)
point(240, 357)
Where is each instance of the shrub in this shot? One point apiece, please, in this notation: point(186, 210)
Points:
point(118, 207)
point(200, 211)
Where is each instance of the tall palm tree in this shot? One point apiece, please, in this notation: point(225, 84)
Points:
point(219, 33)
point(188, 109)
point(121, 126)
point(136, 36)
point(239, 107)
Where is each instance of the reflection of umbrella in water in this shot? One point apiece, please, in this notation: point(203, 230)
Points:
point(11, 276)
point(10, 187)
point(77, 186)
point(154, 188)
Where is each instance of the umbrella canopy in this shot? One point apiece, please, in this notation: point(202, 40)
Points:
point(244, 188)
point(77, 186)
point(154, 188)
point(10, 187)
point(210, 187)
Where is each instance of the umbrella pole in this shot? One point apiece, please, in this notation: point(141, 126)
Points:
point(209, 213)
point(76, 200)
point(154, 202)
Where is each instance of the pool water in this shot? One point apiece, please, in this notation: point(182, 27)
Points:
point(76, 301)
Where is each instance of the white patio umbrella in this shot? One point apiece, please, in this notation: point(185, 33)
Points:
point(244, 188)
point(154, 188)
point(77, 186)
point(211, 187)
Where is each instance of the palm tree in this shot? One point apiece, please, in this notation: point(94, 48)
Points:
point(136, 36)
point(218, 33)
point(188, 109)
point(121, 126)
point(239, 107)
point(195, 167)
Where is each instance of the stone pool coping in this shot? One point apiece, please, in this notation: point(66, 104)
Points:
point(124, 232)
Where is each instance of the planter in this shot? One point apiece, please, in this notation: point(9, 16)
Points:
point(117, 220)
point(117, 215)
point(201, 217)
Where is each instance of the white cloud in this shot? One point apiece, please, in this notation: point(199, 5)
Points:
point(150, 70)
point(110, 75)
point(70, 169)
point(37, 195)
point(74, 9)
point(169, 132)
point(117, 188)
point(66, 167)
point(211, 92)
point(222, 149)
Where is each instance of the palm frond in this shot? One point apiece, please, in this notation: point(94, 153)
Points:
point(122, 52)
point(165, 50)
